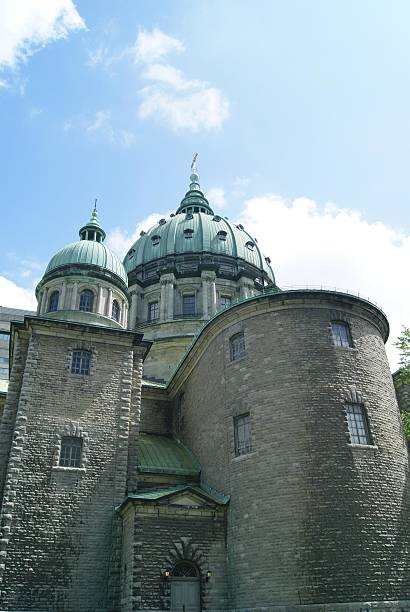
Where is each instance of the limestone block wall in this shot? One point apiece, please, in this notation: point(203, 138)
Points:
point(156, 413)
point(60, 546)
point(162, 535)
point(313, 519)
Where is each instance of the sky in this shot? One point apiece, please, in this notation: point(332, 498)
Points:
point(299, 112)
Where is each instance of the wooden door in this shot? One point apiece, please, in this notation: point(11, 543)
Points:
point(185, 595)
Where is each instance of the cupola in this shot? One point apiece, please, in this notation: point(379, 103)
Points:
point(85, 281)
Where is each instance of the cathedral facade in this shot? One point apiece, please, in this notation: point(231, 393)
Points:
point(181, 434)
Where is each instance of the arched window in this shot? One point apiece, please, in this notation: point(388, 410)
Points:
point(237, 346)
point(86, 300)
point(341, 334)
point(184, 569)
point(115, 311)
point(53, 301)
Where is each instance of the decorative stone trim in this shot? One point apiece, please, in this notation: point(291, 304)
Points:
point(82, 345)
point(184, 550)
point(73, 430)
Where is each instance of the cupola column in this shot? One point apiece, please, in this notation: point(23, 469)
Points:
point(74, 296)
point(44, 301)
point(99, 299)
point(108, 306)
point(62, 296)
point(171, 290)
point(133, 310)
point(208, 293)
point(163, 303)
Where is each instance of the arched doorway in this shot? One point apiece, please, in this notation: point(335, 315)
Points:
point(185, 588)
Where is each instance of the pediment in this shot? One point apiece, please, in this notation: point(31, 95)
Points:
point(188, 499)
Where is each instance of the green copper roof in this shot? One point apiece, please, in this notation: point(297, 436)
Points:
point(196, 233)
point(154, 495)
point(163, 454)
point(88, 253)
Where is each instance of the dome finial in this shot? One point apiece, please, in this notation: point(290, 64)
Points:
point(94, 213)
point(193, 165)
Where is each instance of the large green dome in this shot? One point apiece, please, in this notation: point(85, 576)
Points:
point(200, 232)
point(88, 253)
point(196, 229)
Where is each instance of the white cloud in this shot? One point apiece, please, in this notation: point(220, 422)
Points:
point(120, 240)
point(101, 123)
point(206, 108)
point(169, 75)
point(28, 25)
point(4, 84)
point(333, 247)
point(216, 197)
point(154, 45)
point(35, 111)
point(14, 296)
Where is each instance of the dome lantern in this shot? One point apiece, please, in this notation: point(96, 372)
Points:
point(194, 200)
point(92, 230)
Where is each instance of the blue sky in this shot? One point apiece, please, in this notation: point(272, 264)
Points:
point(299, 112)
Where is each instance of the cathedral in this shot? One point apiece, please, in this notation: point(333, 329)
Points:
point(180, 434)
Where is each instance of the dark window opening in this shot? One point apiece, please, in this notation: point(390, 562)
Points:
point(341, 334)
point(115, 311)
point(70, 453)
point(81, 362)
point(188, 305)
point(153, 311)
point(86, 300)
point(237, 346)
point(243, 434)
point(357, 424)
point(53, 301)
point(225, 301)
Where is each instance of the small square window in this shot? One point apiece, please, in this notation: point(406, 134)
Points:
point(237, 346)
point(243, 434)
point(153, 311)
point(357, 424)
point(341, 334)
point(81, 362)
point(70, 453)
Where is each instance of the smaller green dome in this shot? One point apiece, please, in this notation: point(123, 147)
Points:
point(88, 253)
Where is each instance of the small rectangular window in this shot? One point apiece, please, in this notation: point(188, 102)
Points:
point(153, 311)
point(188, 305)
point(225, 301)
point(81, 362)
point(243, 434)
point(341, 334)
point(4, 337)
point(70, 454)
point(357, 424)
point(4, 359)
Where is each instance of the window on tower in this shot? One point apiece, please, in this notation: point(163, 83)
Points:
point(70, 453)
point(225, 301)
point(237, 346)
point(86, 300)
point(80, 363)
point(153, 311)
point(341, 334)
point(53, 301)
point(243, 434)
point(357, 424)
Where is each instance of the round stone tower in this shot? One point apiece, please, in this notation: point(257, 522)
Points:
point(85, 282)
point(289, 406)
point(184, 270)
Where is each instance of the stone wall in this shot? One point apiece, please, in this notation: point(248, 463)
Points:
point(60, 547)
point(313, 519)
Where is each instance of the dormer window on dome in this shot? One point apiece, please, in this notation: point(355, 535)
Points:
point(188, 233)
point(155, 240)
point(222, 235)
point(250, 245)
